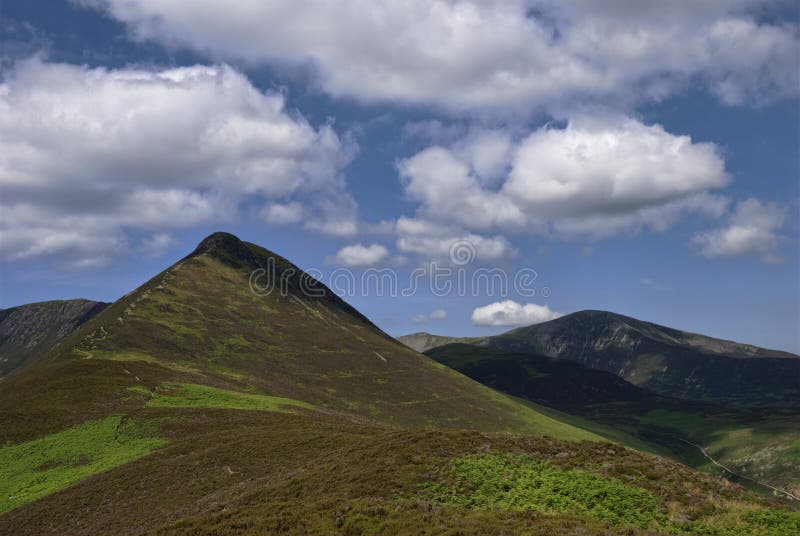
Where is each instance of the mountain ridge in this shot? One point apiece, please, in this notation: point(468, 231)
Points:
point(663, 360)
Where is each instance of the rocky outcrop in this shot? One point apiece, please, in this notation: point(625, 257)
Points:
point(28, 331)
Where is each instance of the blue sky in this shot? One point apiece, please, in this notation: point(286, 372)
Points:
point(642, 161)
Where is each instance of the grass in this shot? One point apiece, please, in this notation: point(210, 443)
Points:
point(543, 423)
point(522, 482)
point(763, 446)
point(760, 444)
point(202, 396)
point(609, 432)
point(770, 522)
point(43, 466)
point(271, 472)
point(305, 472)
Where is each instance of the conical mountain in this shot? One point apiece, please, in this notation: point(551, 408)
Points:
point(235, 315)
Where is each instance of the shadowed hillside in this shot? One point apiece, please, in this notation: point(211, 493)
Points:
point(755, 446)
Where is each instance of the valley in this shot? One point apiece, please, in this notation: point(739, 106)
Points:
point(757, 443)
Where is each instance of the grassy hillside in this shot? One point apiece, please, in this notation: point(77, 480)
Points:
point(666, 361)
point(225, 471)
point(201, 318)
point(422, 342)
point(535, 376)
point(761, 445)
point(193, 405)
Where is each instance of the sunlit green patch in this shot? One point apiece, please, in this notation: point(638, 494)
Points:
point(746, 522)
point(770, 522)
point(37, 468)
point(521, 482)
point(186, 395)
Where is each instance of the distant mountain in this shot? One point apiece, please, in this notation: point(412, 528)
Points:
point(663, 360)
point(27, 331)
point(422, 341)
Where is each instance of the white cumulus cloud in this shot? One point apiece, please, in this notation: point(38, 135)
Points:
point(435, 241)
point(601, 165)
point(88, 154)
point(509, 55)
point(598, 175)
point(360, 256)
point(753, 228)
point(511, 313)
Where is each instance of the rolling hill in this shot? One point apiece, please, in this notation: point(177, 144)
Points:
point(422, 341)
point(27, 331)
point(194, 405)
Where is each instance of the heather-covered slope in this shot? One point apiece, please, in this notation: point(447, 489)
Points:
point(227, 471)
point(756, 446)
point(195, 405)
point(299, 341)
point(536, 377)
point(27, 331)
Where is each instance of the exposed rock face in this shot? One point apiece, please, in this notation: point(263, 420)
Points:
point(28, 331)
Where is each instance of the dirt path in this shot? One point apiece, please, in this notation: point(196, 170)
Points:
point(705, 453)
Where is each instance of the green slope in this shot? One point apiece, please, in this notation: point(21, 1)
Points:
point(759, 447)
point(193, 405)
point(201, 317)
point(226, 471)
point(196, 335)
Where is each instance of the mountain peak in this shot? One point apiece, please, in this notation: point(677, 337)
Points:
point(226, 247)
point(218, 241)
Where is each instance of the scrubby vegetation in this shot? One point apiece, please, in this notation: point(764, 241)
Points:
point(760, 444)
point(521, 482)
point(172, 432)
